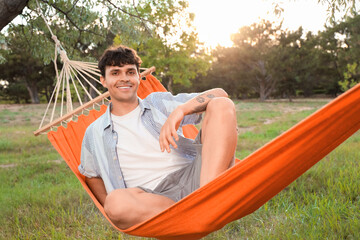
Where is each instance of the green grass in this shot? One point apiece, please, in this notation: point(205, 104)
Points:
point(42, 199)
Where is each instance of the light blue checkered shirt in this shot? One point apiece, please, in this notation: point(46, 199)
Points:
point(98, 153)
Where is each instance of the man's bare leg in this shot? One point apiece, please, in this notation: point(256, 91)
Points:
point(219, 138)
point(130, 206)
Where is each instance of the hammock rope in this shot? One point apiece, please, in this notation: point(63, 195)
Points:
point(73, 74)
point(65, 79)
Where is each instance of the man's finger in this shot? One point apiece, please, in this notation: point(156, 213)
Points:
point(161, 147)
point(164, 146)
point(167, 146)
point(161, 141)
point(175, 135)
point(171, 141)
point(164, 143)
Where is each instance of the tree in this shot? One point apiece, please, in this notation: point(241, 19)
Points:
point(31, 47)
point(349, 51)
point(255, 42)
point(351, 77)
point(264, 79)
point(229, 70)
point(283, 63)
point(176, 64)
point(25, 80)
point(347, 6)
point(341, 44)
point(9, 9)
point(242, 70)
point(174, 50)
point(299, 64)
point(159, 29)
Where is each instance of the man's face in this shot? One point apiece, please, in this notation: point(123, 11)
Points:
point(122, 82)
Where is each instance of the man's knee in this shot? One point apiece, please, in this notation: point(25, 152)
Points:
point(112, 207)
point(118, 206)
point(221, 106)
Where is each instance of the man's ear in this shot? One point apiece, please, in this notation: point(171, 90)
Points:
point(103, 82)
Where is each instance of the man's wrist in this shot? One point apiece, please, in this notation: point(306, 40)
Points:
point(184, 109)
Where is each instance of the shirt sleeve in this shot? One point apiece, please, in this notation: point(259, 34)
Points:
point(88, 166)
point(166, 103)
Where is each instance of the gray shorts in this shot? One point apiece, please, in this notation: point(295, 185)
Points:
point(182, 182)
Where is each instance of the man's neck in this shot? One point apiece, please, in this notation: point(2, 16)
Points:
point(123, 108)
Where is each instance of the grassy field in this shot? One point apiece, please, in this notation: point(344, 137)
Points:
point(41, 198)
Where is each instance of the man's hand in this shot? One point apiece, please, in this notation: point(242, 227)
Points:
point(195, 105)
point(168, 130)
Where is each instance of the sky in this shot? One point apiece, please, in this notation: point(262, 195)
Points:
point(216, 20)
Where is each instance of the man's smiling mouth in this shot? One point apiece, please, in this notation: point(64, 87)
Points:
point(124, 86)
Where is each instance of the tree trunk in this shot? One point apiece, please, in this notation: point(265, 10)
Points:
point(33, 92)
point(262, 90)
point(169, 85)
point(9, 9)
point(264, 80)
point(47, 93)
point(92, 91)
point(289, 97)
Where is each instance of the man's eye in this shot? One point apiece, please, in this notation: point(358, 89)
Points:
point(115, 73)
point(131, 73)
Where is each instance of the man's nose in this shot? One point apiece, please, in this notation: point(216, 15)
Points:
point(123, 77)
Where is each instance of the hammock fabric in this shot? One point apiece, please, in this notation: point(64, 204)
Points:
point(245, 187)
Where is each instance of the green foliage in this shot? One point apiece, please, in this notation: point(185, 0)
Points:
point(351, 77)
point(267, 61)
point(25, 74)
point(242, 69)
point(336, 6)
point(230, 71)
point(160, 30)
point(2, 43)
point(177, 62)
point(343, 41)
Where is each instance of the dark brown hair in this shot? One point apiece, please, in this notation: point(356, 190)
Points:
point(119, 56)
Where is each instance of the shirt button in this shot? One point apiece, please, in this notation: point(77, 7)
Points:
point(115, 158)
point(114, 137)
point(120, 178)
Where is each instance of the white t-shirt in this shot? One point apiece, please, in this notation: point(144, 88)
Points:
point(141, 160)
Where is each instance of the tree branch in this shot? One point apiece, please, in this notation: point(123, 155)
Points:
point(26, 39)
point(9, 10)
point(66, 14)
point(73, 6)
point(130, 14)
point(142, 21)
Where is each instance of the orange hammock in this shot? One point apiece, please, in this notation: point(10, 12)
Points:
point(245, 187)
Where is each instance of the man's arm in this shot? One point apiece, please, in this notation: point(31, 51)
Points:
point(198, 104)
point(195, 105)
point(97, 186)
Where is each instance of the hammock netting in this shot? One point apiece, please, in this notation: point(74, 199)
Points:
point(243, 188)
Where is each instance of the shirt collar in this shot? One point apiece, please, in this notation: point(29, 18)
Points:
point(107, 115)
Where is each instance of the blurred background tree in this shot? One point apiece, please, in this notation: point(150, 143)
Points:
point(265, 60)
point(160, 30)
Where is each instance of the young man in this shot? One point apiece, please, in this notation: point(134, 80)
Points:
point(135, 158)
